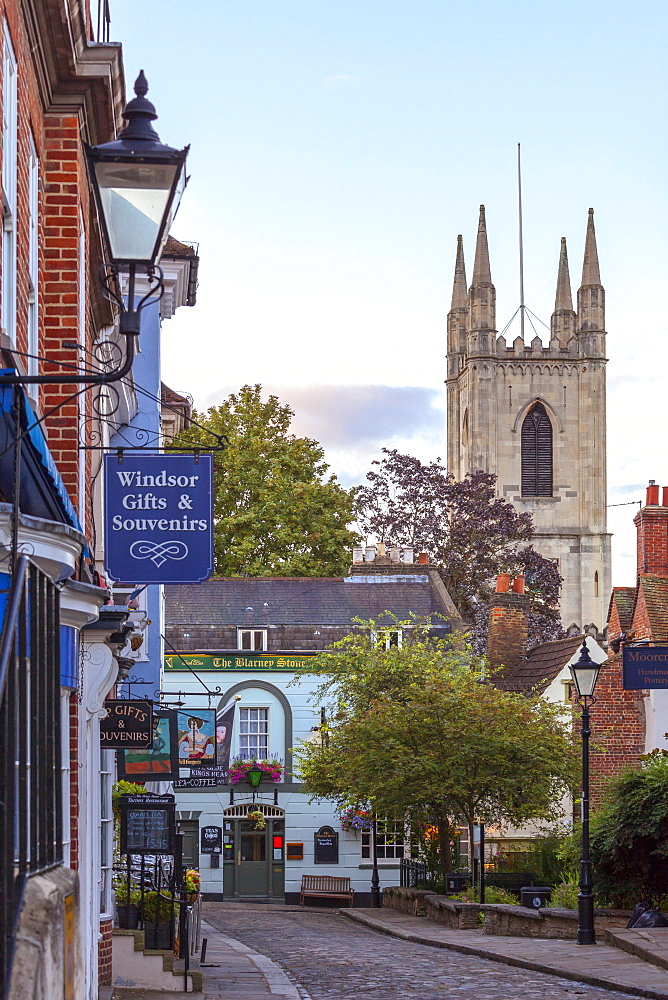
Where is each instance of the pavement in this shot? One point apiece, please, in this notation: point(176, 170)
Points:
point(287, 953)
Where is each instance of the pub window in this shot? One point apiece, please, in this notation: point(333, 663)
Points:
point(252, 638)
point(537, 453)
point(254, 733)
point(390, 840)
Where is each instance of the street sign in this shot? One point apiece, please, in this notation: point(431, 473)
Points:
point(128, 725)
point(158, 521)
point(147, 824)
point(644, 667)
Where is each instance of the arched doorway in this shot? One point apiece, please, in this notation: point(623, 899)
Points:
point(253, 855)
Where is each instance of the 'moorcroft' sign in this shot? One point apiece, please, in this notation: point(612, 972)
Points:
point(158, 518)
point(645, 667)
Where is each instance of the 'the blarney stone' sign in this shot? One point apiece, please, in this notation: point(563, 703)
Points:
point(158, 518)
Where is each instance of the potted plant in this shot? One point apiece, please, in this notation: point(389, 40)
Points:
point(127, 905)
point(191, 881)
point(158, 916)
point(356, 819)
point(258, 819)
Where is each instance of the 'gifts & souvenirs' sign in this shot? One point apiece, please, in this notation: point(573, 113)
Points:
point(158, 523)
point(128, 725)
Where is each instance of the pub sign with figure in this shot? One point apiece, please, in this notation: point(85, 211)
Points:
point(158, 518)
point(196, 739)
point(159, 761)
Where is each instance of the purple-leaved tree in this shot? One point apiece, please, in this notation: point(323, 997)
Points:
point(469, 532)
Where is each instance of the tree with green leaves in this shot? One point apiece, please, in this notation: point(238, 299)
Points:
point(276, 512)
point(421, 732)
point(629, 835)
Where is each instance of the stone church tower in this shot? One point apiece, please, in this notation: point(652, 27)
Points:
point(535, 416)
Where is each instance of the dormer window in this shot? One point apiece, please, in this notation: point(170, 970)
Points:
point(253, 639)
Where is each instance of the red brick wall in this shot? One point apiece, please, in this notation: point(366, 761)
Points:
point(507, 633)
point(104, 954)
point(614, 624)
point(618, 726)
point(652, 525)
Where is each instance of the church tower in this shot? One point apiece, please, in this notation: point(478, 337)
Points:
point(535, 416)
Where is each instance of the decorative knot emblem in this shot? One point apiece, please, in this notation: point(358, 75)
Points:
point(158, 552)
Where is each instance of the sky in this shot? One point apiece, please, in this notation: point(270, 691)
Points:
point(338, 148)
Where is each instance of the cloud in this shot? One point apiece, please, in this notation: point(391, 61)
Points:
point(353, 422)
point(341, 80)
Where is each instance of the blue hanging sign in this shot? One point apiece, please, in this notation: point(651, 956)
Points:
point(644, 667)
point(158, 518)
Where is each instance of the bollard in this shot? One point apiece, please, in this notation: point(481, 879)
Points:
point(202, 957)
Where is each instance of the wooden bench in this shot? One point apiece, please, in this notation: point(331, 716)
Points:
point(326, 886)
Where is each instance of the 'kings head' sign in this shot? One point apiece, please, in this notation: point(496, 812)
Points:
point(158, 524)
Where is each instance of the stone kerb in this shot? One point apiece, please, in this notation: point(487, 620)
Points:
point(407, 900)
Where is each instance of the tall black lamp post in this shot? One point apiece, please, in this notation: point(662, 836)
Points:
point(375, 878)
point(585, 674)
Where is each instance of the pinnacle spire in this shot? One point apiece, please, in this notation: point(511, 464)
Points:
point(563, 300)
point(481, 270)
point(459, 293)
point(590, 271)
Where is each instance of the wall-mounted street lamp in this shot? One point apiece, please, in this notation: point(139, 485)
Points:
point(585, 674)
point(137, 183)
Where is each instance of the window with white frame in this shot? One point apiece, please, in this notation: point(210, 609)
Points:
point(390, 840)
point(33, 259)
point(9, 185)
point(252, 638)
point(386, 638)
point(65, 774)
point(254, 733)
point(106, 831)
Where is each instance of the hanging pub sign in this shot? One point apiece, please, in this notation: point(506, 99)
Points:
point(211, 840)
point(157, 762)
point(196, 737)
point(644, 667)
point(148, 824)
point(158, 518)
point(128, 725)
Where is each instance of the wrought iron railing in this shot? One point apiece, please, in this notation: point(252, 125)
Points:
point(103, 26)
point(30, 775)
point(412, 874)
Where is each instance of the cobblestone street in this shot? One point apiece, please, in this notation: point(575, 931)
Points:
point(331, 958)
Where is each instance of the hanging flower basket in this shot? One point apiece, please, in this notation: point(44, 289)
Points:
point(356, 819)
point(258, 819)
point(239, 769)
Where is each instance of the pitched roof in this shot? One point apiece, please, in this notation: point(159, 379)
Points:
point(259, 601)
point(624, 599)
point(655, 592)
point(540, 667)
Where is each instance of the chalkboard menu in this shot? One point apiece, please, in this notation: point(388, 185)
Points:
point(211, 840)
point(326, 846)
point(147, 824)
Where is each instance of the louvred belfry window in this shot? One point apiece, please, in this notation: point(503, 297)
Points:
point(537, 453)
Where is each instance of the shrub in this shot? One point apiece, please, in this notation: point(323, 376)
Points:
point(565, 896)
point(492, 895)
point(157, 908)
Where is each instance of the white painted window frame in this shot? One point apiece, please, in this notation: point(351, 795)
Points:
point(65, 775)
point(245, 753)
point(252, 632)
point(106, 833)
point(387, 827)
point(9, 185)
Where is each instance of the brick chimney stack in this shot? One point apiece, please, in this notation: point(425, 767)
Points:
point(651, 522)
point(508, 623)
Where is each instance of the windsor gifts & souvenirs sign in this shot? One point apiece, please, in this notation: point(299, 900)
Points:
point(158, 518)
point(128, 725)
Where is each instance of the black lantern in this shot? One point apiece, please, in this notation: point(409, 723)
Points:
point(254, 775)
point(585, 673)
point(138, 183)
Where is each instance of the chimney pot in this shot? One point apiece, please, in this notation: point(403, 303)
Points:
point(381, 548)
point(408, 555)
point(358, 554)
point(423, 558)
point(664, 498)
point(518, 584)
point(370, 553)
point(395, 554)
point(502, 583)
point(652, 494)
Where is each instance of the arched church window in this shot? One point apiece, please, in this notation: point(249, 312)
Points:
point(537, 453)
point(596, 584)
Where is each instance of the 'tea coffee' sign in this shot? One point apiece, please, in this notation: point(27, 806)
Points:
point(158, 518)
